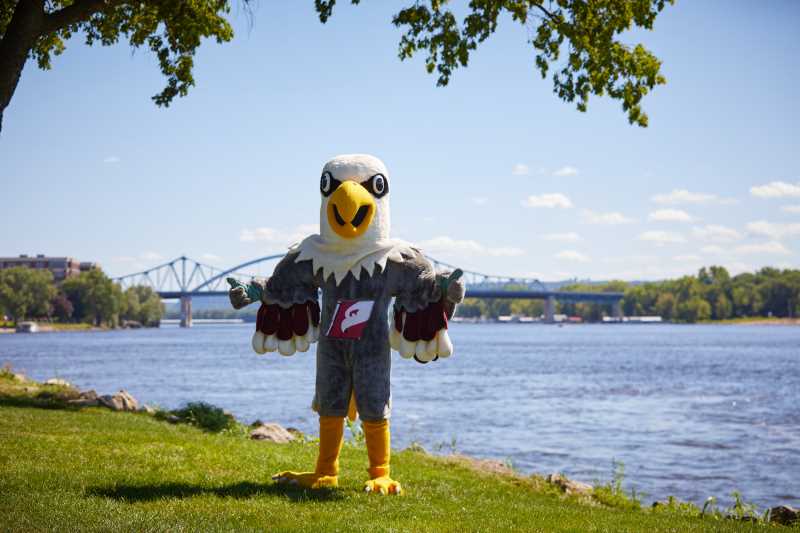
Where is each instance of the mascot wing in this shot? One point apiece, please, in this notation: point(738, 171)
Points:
point(286, 329)
point(421, 334)
point(288, 320)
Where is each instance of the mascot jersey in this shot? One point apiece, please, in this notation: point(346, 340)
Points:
point(359, 269)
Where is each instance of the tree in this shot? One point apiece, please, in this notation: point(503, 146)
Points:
point(62, 307)
point(586, 32)
point(143, 305)
point(172, 29)
point(26, 292)
point(95, 298)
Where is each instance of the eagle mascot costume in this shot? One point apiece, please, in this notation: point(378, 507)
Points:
point(359, 270)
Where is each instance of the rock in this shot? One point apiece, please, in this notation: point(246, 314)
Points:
point(147, 409)
point(296, 433)
point(121, 401)
point(569, 486)
point(58, 382)
point(272, 433)
point(172, 419)
point(87, 398)
point(417, 447)
point(19, 377)
point(784, 514)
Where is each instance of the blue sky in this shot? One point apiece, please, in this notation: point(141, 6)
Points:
point(493, 172)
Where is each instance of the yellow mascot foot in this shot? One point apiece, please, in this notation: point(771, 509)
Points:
point(383, 485)
point(307, 480)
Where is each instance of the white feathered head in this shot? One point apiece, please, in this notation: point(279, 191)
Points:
point(355, 200)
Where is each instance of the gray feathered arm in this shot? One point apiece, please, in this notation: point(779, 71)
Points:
point(424, 301)
point(288, 319)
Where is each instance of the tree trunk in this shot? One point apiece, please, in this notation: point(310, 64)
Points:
point(20, 36)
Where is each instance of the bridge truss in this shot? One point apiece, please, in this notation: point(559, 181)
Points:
point(184, 278)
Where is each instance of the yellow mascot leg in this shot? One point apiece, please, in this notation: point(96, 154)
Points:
point(378, 450)
point(331, 431)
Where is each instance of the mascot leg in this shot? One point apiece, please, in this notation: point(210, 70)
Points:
point(331, 431)
point(379, 451)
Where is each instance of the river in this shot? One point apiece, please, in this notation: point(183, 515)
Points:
point(691, 411)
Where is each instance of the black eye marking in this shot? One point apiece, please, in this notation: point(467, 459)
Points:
point(378, 185)
point(328, 184)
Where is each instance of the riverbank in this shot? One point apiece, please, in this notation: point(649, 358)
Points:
point(756, 321)
point(63, 467)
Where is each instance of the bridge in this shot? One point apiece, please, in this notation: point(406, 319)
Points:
point(184, 278)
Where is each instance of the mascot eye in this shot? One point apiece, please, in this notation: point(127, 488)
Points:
point(378, 185)
point(328, 184)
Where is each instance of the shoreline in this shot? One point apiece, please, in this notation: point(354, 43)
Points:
point(60, 394)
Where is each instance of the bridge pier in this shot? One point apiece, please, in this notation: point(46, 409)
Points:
point(616, 309)
point(186, 311)
point(550, 310)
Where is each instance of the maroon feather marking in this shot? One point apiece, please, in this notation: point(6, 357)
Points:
point(398, 319)
point(285, 324)
point(313, 307)
point(428, 325)
point(411, 329)
point(300, 319)
point(439, 316)
point(260, 317)
point(269, 325)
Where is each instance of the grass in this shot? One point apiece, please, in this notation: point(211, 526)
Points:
point(94, 469)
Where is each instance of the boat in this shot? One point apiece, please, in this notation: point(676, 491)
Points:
point(27, 327)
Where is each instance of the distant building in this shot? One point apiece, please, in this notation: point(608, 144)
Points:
point(61, 267)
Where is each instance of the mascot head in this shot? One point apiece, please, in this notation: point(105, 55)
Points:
point(353, 220)
point(355, 201)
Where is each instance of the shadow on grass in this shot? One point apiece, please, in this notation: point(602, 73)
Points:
point(42, 400)
point(243, 489)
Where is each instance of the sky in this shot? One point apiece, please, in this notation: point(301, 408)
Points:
point(493, 173)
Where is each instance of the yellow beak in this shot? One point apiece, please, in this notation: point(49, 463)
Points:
point(350, 210)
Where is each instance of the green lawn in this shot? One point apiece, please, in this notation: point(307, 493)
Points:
point(93, 469)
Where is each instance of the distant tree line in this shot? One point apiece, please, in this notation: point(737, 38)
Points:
point(89, 297)
point(713, 294)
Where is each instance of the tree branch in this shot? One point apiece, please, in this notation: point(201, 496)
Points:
point(79, 11)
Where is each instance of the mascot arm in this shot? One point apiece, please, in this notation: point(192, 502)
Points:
point(288, 319)
point(424, 302)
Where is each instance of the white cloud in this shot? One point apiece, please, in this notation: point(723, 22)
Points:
point(661, 237)
point(259, 234)
point(776, 189)
point(112, 159)
point(566, 171)
point(572, 255)
point(210, 257)
point(480, 200)
point(612, 218)
point(563, 237)
point(550, 200)
point(445, 244)
point(670, 215)
point(716, 233)
point(123, 259)
point(771, 247)
point(773, 230)
point(682, 196)
point(791, 208)
point(687, 258)
point(278, 236)
point(712, 249)
point(520, 169)
point(151, 256)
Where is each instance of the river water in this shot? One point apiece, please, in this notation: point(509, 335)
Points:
point(691, 411)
